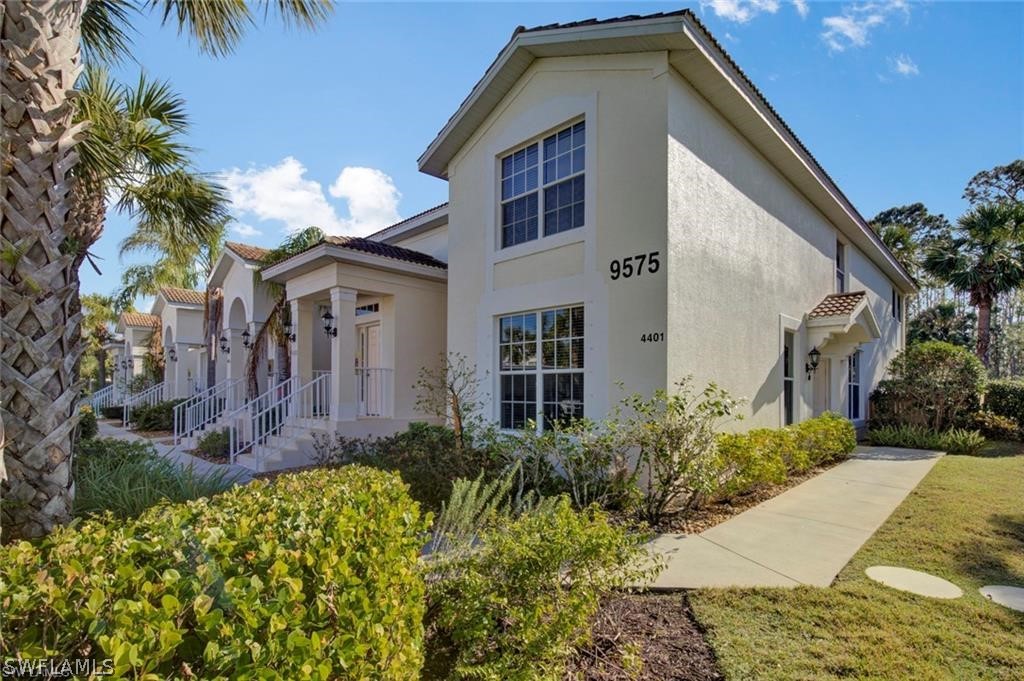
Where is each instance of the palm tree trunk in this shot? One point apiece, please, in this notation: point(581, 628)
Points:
point(984, 328)
point(101, 359)
point(282, 361)
point(39, 52)
point(211, 324)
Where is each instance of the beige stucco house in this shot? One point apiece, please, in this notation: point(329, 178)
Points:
point(626, 209)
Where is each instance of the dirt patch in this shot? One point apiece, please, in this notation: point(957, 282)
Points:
point(155, 434)
point(646, 636)
point(697, 521)
point(212, 458)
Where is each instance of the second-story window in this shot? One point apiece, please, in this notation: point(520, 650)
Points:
point(840, 267)
point(547, 189)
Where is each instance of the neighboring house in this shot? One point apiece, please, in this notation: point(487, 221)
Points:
point(136, 330)
point(181, 313)
point(626, 210)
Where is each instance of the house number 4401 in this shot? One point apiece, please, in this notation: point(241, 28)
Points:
point(635, 265)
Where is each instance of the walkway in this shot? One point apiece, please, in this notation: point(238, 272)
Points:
point(806, 535)
point(181, 458)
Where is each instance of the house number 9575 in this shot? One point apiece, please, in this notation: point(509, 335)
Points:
point(635, 265)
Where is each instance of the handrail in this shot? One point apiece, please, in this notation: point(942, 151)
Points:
point(251, 426)
point(148, 397)
point(104, 397)
point(204, 407)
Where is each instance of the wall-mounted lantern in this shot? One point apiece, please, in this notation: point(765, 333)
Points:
point(329, 328)
point(172, 354)
point(246, 339)
point(288, 333)
point(225, 347)
point(814, 356)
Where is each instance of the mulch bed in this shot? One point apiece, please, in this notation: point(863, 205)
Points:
point(646, 636)
point(697, 521)
point(212, 458)
point(155, 434)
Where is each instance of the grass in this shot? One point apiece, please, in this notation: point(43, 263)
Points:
point(126, 478)
point(965, 523)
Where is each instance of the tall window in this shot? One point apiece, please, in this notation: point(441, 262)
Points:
point(541, 366)
point(853, 385)
point(788, 384)
point(559, 190)
point(840, 267)
point(897, 305)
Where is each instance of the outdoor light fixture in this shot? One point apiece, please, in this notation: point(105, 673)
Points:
point(245, 339)
point(224, 347)
point(814, 355)
point(287, 326)
point(329, 328)
point(172, 354)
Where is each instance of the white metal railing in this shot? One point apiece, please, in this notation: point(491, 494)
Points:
point(203, 408)
point(313, 400)
point(254, 422)
point(321, 372)
point(148, 397)
point(102, 398)
point(374, 392)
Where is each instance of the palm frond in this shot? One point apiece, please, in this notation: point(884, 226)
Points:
point(107, 30)
point(155, 100)
point(216, 26)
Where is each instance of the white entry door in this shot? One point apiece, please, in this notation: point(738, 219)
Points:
point(370, 374)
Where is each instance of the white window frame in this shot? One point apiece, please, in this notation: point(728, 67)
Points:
point(840, 264)
point(853, 371)
point(538, 372)
point(897, 305)
point(789, 353)
point(542, 186)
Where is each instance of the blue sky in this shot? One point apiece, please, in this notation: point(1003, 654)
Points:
point(900, 102)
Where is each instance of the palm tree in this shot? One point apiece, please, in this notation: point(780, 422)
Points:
point(983, 257)
point(40, 49)
point(100, 315)
point(279, 312)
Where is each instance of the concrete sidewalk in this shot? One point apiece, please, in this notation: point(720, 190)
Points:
point(241, 474)
point(806, 535)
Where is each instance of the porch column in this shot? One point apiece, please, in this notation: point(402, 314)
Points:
point(343, 355)
point(261, 363)
point(181, 384)
point(303, 326)
point(236, 357)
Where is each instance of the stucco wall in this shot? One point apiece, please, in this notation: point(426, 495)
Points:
point(749, 256)
point(622, 100)
point(432, 242)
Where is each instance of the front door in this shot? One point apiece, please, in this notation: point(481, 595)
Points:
point(822, 387)
point(369, 371)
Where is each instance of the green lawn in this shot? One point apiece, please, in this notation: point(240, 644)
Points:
point(964, 522)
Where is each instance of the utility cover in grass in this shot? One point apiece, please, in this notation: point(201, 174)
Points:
point(1011, 597)
point(914, 581)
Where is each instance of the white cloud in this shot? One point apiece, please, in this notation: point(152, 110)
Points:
point(372, 199)
point(802, 8)
point(242, 229)
point(853, 27)
point(904, 66)
point(283, 193)
point(740, 11)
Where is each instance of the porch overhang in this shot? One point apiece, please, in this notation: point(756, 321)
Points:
point(840, 323)
point(327, 253)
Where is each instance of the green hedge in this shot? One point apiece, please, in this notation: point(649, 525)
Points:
point(312, 576)
point(765, 456)
point(953, 441)
point(1005, 398)
point(88, 426)
point(159, 416)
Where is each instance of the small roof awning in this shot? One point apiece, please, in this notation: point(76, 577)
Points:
point(841, 322)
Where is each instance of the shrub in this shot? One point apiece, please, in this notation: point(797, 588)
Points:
point(932, 385)
point(215, 444)
point(955, 441)
point(996, 427)
point(88, 427)
point(126, 478)
point(113, 412)
point(159, 416)
point(825, 438)
point(313, 577)
point(517, 606)
point(1005, 398)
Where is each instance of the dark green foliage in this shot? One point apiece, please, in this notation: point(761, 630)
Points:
point(125, 478)
point(943, 322)
point(1005, 398)
point(215, 444)
point(113, 412)
point(159, 416)
point(953, 441)
point(996, 427)
point(88, 427)
point(313, 576)
point(932, 385)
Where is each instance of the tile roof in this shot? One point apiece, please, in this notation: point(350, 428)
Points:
point(838, 304)
point(379, 233)
point(246, 251)
point(140, 319)
point(372, 247)
point(185, 296)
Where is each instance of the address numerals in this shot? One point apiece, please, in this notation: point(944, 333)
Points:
point(635, 265)
point(656, 337)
